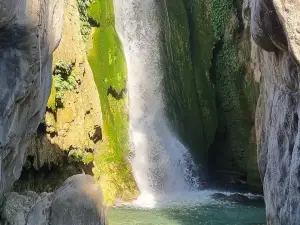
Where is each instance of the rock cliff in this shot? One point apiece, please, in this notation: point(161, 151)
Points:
point(30, 31)
point(210, 88)
point(71, 129)
point(275, 29)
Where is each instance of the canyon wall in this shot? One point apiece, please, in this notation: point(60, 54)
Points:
point(30, 32)
point(83, 129)
point(275, 29)
point(210, 88)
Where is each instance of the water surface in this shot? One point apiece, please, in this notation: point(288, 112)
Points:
point(199, 210)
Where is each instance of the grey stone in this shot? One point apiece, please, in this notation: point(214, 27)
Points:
point(78, 201)
point(40, 212)
point(277, 113)
point(29, 32)
point(17, 207)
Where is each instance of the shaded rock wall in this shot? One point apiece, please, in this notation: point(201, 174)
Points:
point(186, 45)
point(274, 27)
point(210, 88)
point(233, 153)
point(29, 33)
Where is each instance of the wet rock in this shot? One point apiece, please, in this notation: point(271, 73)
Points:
point(218, 196)
point(239, 198)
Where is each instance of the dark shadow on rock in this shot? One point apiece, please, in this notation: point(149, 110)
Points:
point(117, 95)
point(40, 175)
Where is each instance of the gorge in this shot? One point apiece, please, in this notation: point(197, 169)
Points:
point(159, 103)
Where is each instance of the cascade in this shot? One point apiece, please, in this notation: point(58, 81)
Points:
point(161, 163)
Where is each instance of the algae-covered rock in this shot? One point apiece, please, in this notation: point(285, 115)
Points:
point(186, 45)
point(209, 86)
point(234, 148)
point(108, 63)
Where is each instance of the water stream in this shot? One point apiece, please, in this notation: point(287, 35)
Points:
point(161, 163)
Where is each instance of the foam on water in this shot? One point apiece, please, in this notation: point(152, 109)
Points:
point(189, 199)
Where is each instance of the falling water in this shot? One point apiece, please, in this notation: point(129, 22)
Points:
point(161, 163)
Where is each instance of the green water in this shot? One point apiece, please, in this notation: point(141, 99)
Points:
point(201, 213)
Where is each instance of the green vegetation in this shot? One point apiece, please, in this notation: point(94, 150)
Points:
point(83, 6)
point(193, 111)
point(236, 93)
point(108, 64)
point(221, 11)
point(64, 79)
point(205, 58)
point(78, 155)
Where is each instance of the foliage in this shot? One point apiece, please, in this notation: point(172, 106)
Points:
point(108, 64)
point(236, 94)
point(63, 78)
point(78, 155)
point(221, 11)
point(83, 6)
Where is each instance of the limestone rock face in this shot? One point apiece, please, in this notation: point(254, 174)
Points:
point(75, 125)
point(274, 29)
point(29, 32)
point(78, 201)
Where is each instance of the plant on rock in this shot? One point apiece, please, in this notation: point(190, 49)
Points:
point(63, 79)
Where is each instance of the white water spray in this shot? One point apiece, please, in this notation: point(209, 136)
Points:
point(161, 163)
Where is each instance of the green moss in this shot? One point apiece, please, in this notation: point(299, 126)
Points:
point(85, 26)
point(234, 147)
point(108, 64)
point(221, 11)
point(63, 78)
point(187, 49)
point(77, 155)
point(52, 98)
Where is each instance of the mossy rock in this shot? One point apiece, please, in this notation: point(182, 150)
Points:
point(186, 47)
point(108, 64)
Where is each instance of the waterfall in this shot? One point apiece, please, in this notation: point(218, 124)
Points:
point(161, 163)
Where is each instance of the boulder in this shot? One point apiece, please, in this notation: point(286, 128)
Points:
point(78, 201)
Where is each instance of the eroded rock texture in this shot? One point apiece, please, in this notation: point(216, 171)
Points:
point(274, 29)
point(29, 32)
point(78, 201)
